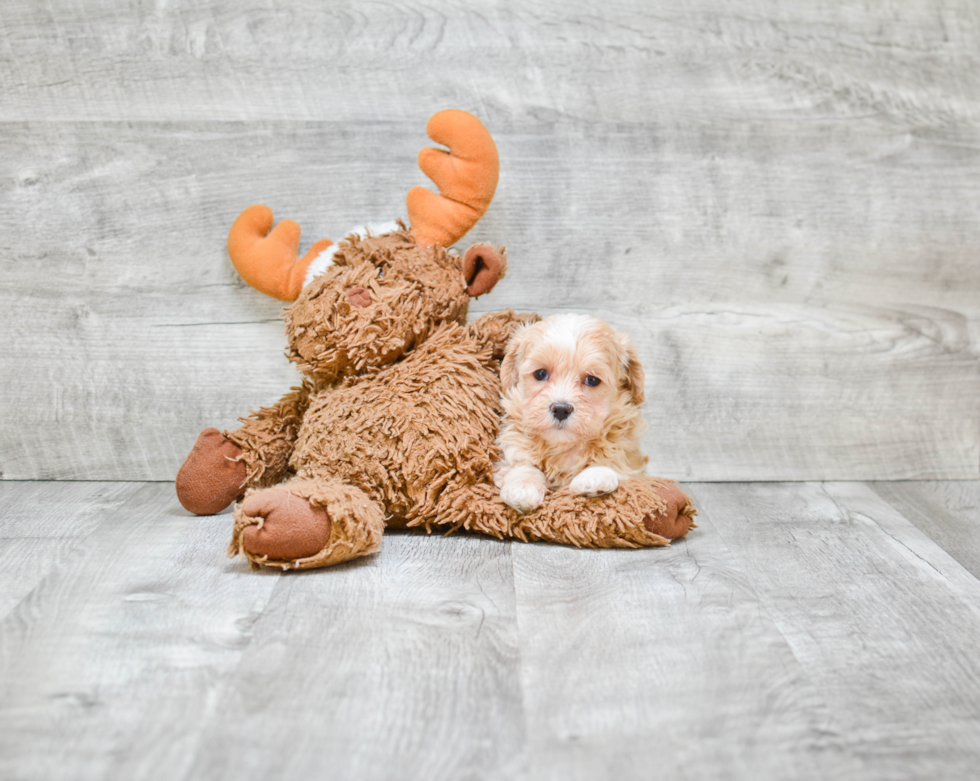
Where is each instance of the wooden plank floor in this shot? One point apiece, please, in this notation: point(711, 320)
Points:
point(804, 630)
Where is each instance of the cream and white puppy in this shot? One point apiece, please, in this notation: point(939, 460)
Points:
point(572, 390)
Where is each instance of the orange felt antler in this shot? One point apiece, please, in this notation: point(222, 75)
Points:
point(466, 176)
point(268, 259)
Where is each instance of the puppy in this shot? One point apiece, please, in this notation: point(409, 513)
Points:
point(572, 390)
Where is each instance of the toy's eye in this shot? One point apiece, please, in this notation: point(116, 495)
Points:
point(381, 271)
point(541, 375)
point(592, 381)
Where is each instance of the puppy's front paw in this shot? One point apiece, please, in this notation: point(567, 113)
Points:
point(595, 481)
point(523, 489)
point(523, 497)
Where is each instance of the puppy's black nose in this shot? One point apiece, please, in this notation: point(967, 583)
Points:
point(560, 410)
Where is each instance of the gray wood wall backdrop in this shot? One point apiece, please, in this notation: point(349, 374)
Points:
point(779, 200)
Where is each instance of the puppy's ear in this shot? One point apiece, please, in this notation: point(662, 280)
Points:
point(635, 378)
point(513, 357)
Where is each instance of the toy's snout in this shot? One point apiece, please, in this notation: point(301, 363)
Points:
point(359, 296)
point(483, 267)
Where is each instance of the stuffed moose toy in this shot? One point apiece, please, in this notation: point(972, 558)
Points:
point(396, 420)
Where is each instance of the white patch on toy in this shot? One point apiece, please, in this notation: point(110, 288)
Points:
point(373, 229)
point(324, 260)
point(320, 263)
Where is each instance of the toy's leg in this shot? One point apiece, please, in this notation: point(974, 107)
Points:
point(676, 518)
point(306, 523)
point(642, 512)
point(213, 476)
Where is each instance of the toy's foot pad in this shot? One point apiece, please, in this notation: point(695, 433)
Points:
point(288, 526)
point(213, 476)
point(678, 516)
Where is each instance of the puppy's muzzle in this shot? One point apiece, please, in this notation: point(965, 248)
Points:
point(560, 411)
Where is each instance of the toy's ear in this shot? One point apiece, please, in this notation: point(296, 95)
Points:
point(635, 377)
point(483, 267)
point(514, 357)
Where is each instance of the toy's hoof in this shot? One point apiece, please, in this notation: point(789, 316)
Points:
point(213, 476)
point(289, 526)
point(676, 520)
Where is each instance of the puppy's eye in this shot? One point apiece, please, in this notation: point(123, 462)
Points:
point(592, 381)
point(541, 375)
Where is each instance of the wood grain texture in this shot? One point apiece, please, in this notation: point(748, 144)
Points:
point(883, 621)
point(147, 654)
point(779, 203)
point(352, 61)
point(805, 630)
point(403, 666)
point(107, 666)
point(946, 512)
point(662, 659)
point(40, 526)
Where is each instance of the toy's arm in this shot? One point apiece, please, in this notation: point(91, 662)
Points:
point(223, 465)
point(495, 329)
point(267, 437)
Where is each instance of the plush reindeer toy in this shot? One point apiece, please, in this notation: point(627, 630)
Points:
point(396, 420)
